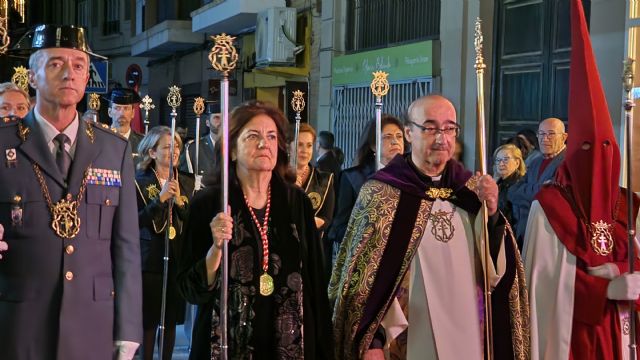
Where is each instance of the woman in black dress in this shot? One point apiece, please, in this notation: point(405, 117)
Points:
point(278, 306)
point(317, 184)
point(154, 189)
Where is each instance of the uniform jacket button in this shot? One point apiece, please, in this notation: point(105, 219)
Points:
point(69, 249)
point(107, 202)
point(68, 275)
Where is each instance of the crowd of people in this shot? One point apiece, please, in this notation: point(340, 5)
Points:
point(388, 260)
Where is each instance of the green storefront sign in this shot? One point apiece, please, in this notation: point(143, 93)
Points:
point(401, 62)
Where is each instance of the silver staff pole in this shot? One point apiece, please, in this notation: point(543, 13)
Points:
point(223, 57)
point(173, 99)
point(482, 146)
point(198, 108)
point(94, 104)
point(627, 82)
point(297, 104)
point(146, 105)
point(379, 88)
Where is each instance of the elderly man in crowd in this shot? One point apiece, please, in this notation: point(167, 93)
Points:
point(411, 235)
point(552, 138)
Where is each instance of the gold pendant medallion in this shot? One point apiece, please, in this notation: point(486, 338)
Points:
point(266, 284)
point(172, 232)
point(65, 220)
point(601, 240)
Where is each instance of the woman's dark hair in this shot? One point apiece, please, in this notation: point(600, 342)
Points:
point(520, 143)
point(365, 153)
point(530, 136)
point(241, 116)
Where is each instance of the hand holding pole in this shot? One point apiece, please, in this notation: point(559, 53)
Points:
point(482, 146)
point(223, 57)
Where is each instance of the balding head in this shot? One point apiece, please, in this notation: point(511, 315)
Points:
point(551, 136)
point(431, 129)
point(417, 108)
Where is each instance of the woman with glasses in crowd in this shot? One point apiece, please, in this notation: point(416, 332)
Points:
point(278, 306)
point(509, 169)
point(155, 189)
point(352, 179)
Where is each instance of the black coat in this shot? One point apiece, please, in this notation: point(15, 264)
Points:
point(291, 214)
point(206, 160)
point(329, 163)
point(61, 298)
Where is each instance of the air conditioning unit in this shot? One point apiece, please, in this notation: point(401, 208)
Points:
point(275, 38)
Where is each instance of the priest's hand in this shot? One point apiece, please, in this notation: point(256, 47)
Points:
point(488, 191)
point(624, 287)
point(3, 244)
point(374, 354)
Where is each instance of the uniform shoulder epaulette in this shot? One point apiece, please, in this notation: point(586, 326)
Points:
point(107, 129)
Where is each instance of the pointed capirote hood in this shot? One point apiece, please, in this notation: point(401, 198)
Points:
point(591, 167)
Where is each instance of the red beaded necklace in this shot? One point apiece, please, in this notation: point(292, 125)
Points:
point(266, 281)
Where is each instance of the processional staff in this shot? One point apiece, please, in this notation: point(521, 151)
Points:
point(627, 84)
point(146, 105)
point(198, 109)
point(223, 58)
point(21, 78)
point(94, 104)
point(297, 104)
point(482, 146)
point(379, 88)
point(173, 99)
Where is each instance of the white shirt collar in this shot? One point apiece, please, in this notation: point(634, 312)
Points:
point(50, 132)
point(126, 135)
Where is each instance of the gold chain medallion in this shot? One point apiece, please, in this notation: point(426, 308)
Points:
point(172, 232)
point(601, 239)
point(266, 284)
point(64, 214)
point(64, 218)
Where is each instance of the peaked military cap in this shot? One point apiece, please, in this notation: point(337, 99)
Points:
point(47, 36)
point(124, 96)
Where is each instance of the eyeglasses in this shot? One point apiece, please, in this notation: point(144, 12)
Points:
point(503, 160)
point(449, 130)
point(550, 135)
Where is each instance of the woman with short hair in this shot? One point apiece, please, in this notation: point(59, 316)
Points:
point(154, 190)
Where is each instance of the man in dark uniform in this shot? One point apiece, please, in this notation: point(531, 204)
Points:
point(122, 104)
point(70, 278)
point(206, 159)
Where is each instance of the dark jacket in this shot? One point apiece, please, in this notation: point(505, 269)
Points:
point(521, 194)
point(152, 216)
point(259, 322)
point(351, 180)
point(68, 298)
point(329, 163)
point(206, 160)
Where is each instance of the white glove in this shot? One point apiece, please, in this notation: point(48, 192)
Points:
point(607, 271)
point(125, 350)
point(624, 287)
